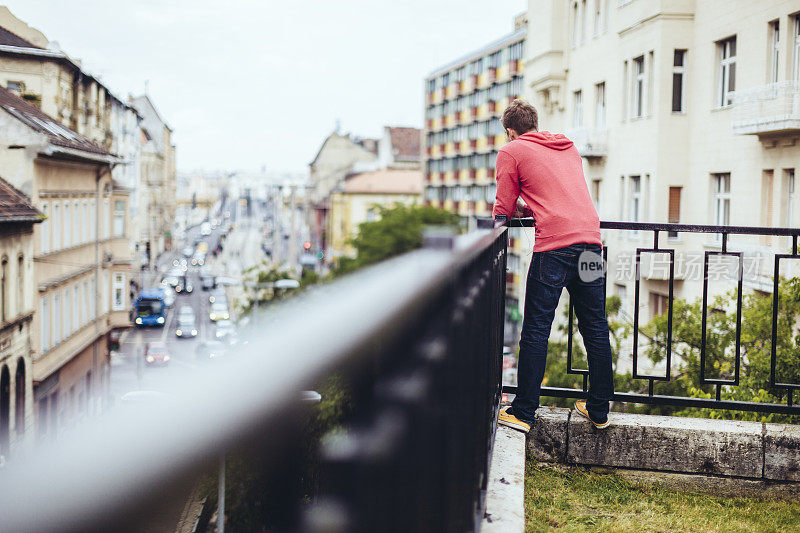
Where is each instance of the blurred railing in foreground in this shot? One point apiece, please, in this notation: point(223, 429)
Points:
point(417, 338)
point(719, 247)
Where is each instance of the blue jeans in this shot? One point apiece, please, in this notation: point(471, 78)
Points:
point(549, 273)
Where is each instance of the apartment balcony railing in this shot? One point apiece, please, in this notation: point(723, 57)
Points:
point(590, 142)
point(767, 110)
point(422, 365)
point(658, 231)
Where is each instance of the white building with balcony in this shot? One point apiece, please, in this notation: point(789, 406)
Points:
point(684, 111)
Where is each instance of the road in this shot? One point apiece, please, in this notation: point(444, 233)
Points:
point(242, 249)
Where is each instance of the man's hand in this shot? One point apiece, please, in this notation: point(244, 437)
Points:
point(522, 210)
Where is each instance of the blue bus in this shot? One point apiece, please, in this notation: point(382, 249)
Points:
point(150, 308)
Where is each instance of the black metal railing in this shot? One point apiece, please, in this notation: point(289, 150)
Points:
point(417, 338)
point(723, 233)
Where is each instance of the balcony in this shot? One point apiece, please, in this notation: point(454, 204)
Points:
point(590, 142)
point(767, 110)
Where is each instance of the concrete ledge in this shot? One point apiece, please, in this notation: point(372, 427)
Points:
point(782, 452)
point(505, 497)
point(749, 450)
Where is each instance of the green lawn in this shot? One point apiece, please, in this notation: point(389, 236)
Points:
point(576, 499)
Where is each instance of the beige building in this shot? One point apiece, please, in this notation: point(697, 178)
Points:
point(17, 219)
point(158, 180)
point(358, 197)
point(684, 111)
point(81, 258)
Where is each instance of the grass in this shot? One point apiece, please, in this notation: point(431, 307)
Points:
point(576, 499)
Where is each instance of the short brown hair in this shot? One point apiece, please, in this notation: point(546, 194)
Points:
point(521, 117)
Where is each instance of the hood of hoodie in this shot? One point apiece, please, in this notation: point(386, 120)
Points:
point(545, 138)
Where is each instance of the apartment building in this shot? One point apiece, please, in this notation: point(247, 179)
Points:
point(17, 218)
point(158, 182)
point(683, 111)
point(464, 101)
point(81, 258)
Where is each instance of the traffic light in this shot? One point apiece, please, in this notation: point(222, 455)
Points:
point(307, 245)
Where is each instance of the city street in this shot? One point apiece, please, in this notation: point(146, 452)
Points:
point(242, 249)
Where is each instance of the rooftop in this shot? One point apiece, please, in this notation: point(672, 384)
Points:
point(15, 206)
point(405, 143)
point(385, 182)
point(41, 122)
point(8, 38)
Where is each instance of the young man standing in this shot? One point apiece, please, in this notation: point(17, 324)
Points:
point(546, 171)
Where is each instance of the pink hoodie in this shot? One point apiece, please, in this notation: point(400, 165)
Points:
point(547, 172)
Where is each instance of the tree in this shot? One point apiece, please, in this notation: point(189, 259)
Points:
point(398, 230)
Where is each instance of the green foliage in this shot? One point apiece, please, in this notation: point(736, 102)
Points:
point(398, 230)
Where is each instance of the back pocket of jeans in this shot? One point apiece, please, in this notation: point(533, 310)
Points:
point(552, 269)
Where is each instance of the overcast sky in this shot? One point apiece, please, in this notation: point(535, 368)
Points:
point(246, 83)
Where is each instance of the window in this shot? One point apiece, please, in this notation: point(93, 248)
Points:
point(625, 78)
point(85, 300)
point(678, 81)
point(56, 226)
point(766, 197)
point(622, 198)
point(45, 228)
point(635, 213)
point(606, 10)
point(76, 223)
point(727, 71)
point(575, 25)
point(796, 48)
point(104, 293)
point(622, 292)
point(20, 284)
point(583, 21)
point(56, 318)
point(76, 325)
point(674, 209)
point(722, 198)
point(67, 314)
point(67, 227)
point(106, 218)
point(577, 112)
point(45, 323)
point(15, 87)
point(4, 291)
point(118, 293)
point(600, 105)
point(775, 49)
point(85, 222)
point(659, 304)
point(597, 17)
point(596, 193)
point(119, 218)
point(638, 87)
point(93, 219)
point(788, 192)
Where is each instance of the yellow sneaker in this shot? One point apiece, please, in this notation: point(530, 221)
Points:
point(580, 406)
point(507, 419)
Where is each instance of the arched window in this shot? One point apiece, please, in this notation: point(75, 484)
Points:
point(3, 290)
point(5, 409)
point(21, 286)
point(19, 396)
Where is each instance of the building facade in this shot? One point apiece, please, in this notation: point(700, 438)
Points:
point(17, 219)
point(683, 111)
point(464, 101)
point(81, 259)
point(158, 180)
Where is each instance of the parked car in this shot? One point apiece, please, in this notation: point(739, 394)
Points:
point(184, 285)
point(156, 353)
point(199, 258)
point(205, 229)
point(186, 310)
point(219, 311)
point(225, 330)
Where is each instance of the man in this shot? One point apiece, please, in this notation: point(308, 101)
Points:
point(546, 172)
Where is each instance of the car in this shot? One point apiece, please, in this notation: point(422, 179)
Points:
point(225, 330)
point(186, 310)
point(187, 252)
point(198, 259)
point(219, 311)
point(209, 350)
point(187, 326)
point(208, 282)
point(218, 295)
point(205, 229)
point(184, 285)
point(169, 295)
point(156, 354)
